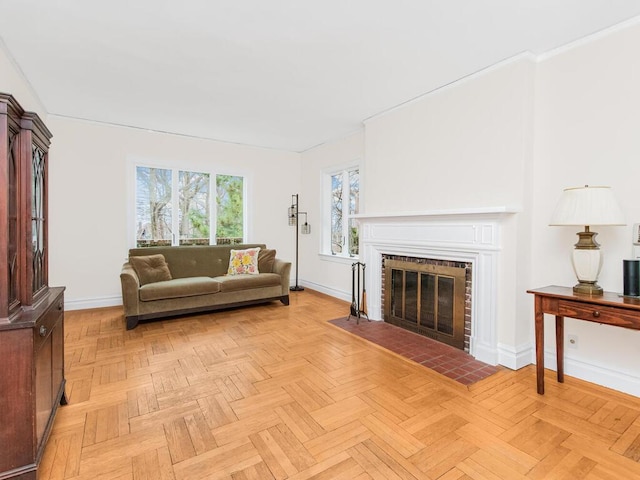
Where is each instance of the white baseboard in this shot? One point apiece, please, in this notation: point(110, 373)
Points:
point(621, 381)
point(516, 357)
point(87, 303)
point(340, 294)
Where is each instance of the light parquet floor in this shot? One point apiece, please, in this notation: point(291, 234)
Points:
point(275, 392)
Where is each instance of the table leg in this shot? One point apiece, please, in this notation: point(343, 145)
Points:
point(539, 318)
point(560, 347)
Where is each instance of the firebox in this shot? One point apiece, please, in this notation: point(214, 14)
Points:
point(428, 297)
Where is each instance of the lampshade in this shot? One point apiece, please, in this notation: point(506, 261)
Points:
point(587, 206)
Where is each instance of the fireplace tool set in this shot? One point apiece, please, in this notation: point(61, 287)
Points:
point(358, 296)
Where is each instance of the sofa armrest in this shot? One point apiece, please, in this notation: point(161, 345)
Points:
point(283, 269)
point(130, 286)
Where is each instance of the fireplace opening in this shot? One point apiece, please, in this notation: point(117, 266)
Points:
point(428, 296)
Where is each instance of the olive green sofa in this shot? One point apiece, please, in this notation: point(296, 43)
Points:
point(166, 281)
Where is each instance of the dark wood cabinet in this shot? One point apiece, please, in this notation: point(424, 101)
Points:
point(32, 383)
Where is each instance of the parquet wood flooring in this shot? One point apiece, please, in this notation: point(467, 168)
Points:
point(275, 392)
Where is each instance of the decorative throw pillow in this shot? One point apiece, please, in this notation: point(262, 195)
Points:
point(150, 268)
point(266, 258)
point(244, 261)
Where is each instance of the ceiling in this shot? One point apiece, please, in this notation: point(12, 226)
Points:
point(284, 74)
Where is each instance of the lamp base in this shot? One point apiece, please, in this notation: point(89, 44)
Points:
point(588, 288)
point(587, 261)
point(296, 288)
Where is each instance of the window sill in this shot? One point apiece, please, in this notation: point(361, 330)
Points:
point(327, 257)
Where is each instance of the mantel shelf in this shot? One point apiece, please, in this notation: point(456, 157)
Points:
point(453, 212)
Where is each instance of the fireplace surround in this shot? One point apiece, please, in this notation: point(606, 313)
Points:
point(470, 236)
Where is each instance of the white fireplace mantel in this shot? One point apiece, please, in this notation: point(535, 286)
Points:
point(441, 213)
point(464, 235)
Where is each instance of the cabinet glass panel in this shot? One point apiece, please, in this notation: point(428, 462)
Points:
point(12, 240)
point(37, 218)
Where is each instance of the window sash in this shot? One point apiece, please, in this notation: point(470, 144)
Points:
point(343, 200)
point(196, 212)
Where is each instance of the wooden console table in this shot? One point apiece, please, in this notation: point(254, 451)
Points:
point(610, 309)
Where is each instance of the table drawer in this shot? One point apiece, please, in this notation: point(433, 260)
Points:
point(47, 323)
point(599, 314)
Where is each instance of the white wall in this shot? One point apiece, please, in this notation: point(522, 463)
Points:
point(90, 179)
point(587, 128)
point(459, 147)
point(330, 275)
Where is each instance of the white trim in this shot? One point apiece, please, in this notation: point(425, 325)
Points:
point(460, 81)
point(88, 303)
point(165, 132)
point(632, 22)
point(516, 357)
point(333, 292)
point(626, 382)
point(327, 257)
point(441, 213)
point(325, 212)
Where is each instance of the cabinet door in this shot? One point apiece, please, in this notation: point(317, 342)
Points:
point(10, 263)
point(57, 358)
point(43, 387)
point(48, 340)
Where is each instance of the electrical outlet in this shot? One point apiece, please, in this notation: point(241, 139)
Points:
point(573, 341)
point(635, 237)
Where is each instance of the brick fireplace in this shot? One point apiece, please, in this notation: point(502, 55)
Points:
point(469, 237)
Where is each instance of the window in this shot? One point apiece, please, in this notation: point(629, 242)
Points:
point(344, 201)
point(172, 200)
point(230, 209)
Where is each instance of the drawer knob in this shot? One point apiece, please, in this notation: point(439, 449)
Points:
point(43, 331)
point(596, 314)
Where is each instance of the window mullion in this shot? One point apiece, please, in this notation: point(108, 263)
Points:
point(345, 213)
point(175, 208)
point(213, 209)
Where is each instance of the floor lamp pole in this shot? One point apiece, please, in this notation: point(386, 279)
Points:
point(296, 287)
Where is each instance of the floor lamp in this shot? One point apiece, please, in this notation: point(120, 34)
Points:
point(305, 228)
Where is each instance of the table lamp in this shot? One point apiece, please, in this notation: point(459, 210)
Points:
point(587, 206)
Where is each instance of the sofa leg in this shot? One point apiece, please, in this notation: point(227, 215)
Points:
point(132, 322)
point(285, 299)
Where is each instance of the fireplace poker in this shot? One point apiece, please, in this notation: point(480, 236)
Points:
point(363, 304)
point(354, 308)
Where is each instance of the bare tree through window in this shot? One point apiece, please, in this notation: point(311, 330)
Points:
point(345, 185)
point(190, 214)
point(153, 206)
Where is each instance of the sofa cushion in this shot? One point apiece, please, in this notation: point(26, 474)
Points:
point(150, 268)
point(232, 283)
point(243, 261)
point(179, 287)
point(266, 259)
